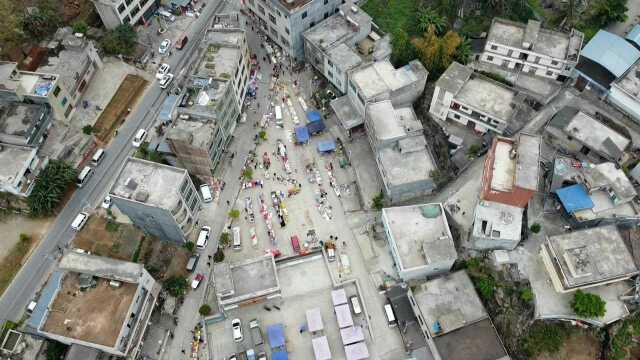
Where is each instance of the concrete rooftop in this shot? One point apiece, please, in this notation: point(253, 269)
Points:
point(67, 64)
point(595, 135)
point(630, 82)
point(609, 175)
point(521, 170)
point(450, 300)
point(380, 77)
point(103, 267)
point(95, 315)
point(17, 119)
point(590, 256)
point(336, 29)
point(246, 279)
point(344, 57)
point(6, 69)
point(420, 240)
point(454, 77)
point(513, 34)
point(196, 132)
point(402, 167)
point(488, 96)
point(497, 220)
point(391, 123)
point(159, 182)
point(527, 161)
point(14, 160)
point(477, 341)
point(346, 112)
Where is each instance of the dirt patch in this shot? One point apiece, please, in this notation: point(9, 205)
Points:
point(579, 346)
point(125, 97)
point(14, 260)
point(12, 225)
point(119, 241)
point(164, 259)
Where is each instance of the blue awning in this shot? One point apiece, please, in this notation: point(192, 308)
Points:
point(574, 198)
point(45, 299)
point(280, 355)
point(326, 146)
point(316, 127)
point(313, 116)
point(302, 134)
point(276, 335)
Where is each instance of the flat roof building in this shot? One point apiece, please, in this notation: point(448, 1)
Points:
point(247, 282)
point(586, 137)
point(587, 258)
point(190, 140)
point(376, 82)
point(96, 302)
point(451, 313)
point(19, 166)
point(159, 199)
point(532, 49)
point(132, 12)
point(24, 124)
point(464, 96)
point(420, 240)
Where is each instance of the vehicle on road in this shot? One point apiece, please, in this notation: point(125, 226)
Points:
point(256, 332)
point(237, 245)
point(162, 71)
point(182, 41)
point(106, 203)
point(84, 175)
point(166, 15)
point(203, 237)
point(164, 46)
point(193, 262)
point(197, 280)
point(206, 193)
point(140, 136)
point(79, 221)
point(165, 81)
point(97, 157)
point(32, 306)
point(236, 326)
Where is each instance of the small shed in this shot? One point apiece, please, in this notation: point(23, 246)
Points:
point(302, 135)
point(357, 351)
point(314, 116)
point(343, 314)
point(338, 297)
point(275, 333)
point(326, 146)
point(351, 335)
point(314, 320)
point(321, 348)
point(316, 127)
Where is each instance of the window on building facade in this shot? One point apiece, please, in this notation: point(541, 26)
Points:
point(121, 8)
point(135, 11)
point(311, 24)
point(304, 15)
point(326, 14)
point(493, 47)
point(549, 73)
point(143, 3)
point(126, 19)
point(329, 63)
point(56, 91)
point(554, 63)
point(261, 9)
point(489, 58)
point(326, 2)
point(279, 13)
point(329, 74)
point(274, 32)
point(353, 87)
point(272, 19)
point(69, 109)
point(286, 30)
point(64, 101)
point(128, 2)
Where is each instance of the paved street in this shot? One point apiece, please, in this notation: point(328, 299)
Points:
point(34, 272)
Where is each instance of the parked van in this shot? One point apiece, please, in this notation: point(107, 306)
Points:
point(391, 317)
point(206, 193)
point(236, 238)
point(97, 157)
point(84, 175)
point(182, 41)
point(203, 237)
point(355, 305)
point(79, 221)
point(193, 262)
point(167, 15)
point(140, 136)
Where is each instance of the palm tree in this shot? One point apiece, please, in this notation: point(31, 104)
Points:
point(50, 186)
point(463, 51)
point(428, 17)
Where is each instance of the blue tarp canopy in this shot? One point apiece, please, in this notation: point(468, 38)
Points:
point(276, 336)
point(314, 116)
point(280, 355)
point(315, 127)
point(302, 134)
point(326, 146)
point(574, 198)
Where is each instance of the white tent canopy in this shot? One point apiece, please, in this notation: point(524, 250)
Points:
point(321, 348)
point(314, 320)
point(343, 313)
point(338, 297)
point(356, 351)
point(351, 335)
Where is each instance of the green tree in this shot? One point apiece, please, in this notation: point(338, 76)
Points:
point(176, 285)
point(218, 257)
point(263, 135)
point(42, 21)
point(189, 245)
point(50, 186)
point(121, 40)
point(436, 53)
point(526, 294)
point(463, 51)
point(535, 228)
point(486, 286)
point(225, 240)
point(606, 12)
point(588, 305)
point(80, 27)
point(234, 214)
point(56, 350)
point(427, 17)
point(87, 129)
point(25, 238)
point(11, 33)
point(205, 310)
point(544, 337)
point(403, 50)
point(247, 174)
point(378, 202)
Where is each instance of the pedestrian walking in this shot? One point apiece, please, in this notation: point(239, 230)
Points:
point(209, 263)
point(209, 257)
point(228, 203)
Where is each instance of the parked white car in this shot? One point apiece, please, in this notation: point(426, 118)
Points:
point(139, 139)
point(236, 325)
point(164, 46)
point(106, 203)
point(165, 81)
point(162, 71)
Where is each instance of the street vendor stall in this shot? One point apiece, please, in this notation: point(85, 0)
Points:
point(321, 349)
point(275, 334)
point(351, 335)
point(302, 135)
point(316, 127)
point(343, 314)
point(314, 320)
point(357, 351)
point(326, 146)
point(314, 116)
point(338, 297)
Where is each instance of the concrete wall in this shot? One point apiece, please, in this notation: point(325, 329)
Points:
point(533, 63)
point(407, 191)
point(625, 102)
point(152, 220)
point(483, 243)
point(108, 15)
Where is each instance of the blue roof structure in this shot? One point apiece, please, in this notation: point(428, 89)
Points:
point(167, 108)
point(612, 52)
point(574, 198)
point(302, 134)
point(46, 297)
point(313, 116)
point(316, 127)
point(326, 145)
point(276, 336)
point(280, 355)
point(634, 35)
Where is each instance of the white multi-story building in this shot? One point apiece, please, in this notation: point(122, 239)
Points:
point(532, 49)
point(117, 12)
point(466, 97)
point(284, 21)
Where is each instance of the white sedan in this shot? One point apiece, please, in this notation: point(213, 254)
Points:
point(162, 71)
point(165, 81)
point(106, 203)
point(236, 327)
point(164, 46)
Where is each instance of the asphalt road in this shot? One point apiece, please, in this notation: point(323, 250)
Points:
point(37, 268)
